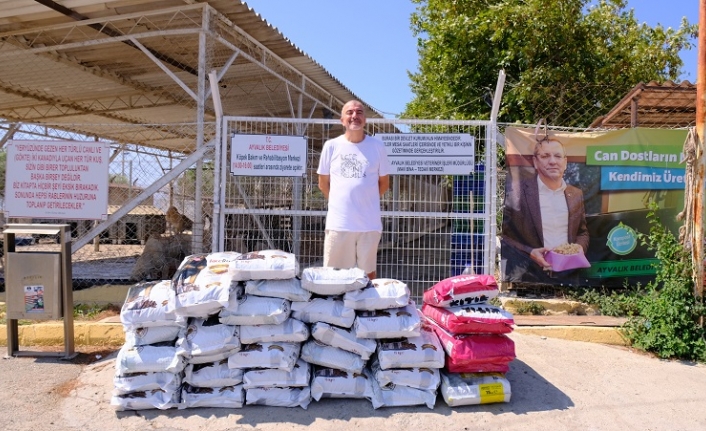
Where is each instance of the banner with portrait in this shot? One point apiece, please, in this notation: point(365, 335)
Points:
point(609, 178)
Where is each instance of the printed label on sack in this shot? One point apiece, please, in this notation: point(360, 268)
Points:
point(491, 393)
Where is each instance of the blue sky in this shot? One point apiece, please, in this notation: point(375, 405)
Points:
point(368, 46)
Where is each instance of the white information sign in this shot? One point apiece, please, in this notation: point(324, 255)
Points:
point(429, 153)
point(268, 155)
point(57, 180)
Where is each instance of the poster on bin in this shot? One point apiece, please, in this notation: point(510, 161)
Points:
point(429, 153)
point(579, 201)
point(57, 180)
point(268, 156)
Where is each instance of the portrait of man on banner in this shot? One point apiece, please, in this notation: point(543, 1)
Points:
point(575, 203)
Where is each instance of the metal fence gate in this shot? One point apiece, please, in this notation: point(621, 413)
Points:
point(434, 226)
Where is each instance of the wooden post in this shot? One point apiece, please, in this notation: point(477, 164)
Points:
point(700, 163)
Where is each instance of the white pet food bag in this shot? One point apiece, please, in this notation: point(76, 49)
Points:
point(289, 331)
point(206, 338)
point(279, 397)
point(290, 289)
point(151, 335)
point(150, 304)
point(343, 338)
point(145, 400)
point(266, 355)
point(426, 379)
point(328, 310)
point(380, 294)
point(197, 295)
point(315, 352)
point(212, 374)
point(328, 281)
point(265, 265)
point(141, 382)
point(149, 359)
point(230, 397)
point(398, 395)
point(465, 389)
point(424, 351)
point(335, 383)
point(256, 310)
point(391, 323)
point(275, 378)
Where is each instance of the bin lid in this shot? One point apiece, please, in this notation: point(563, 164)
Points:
point(33, 228)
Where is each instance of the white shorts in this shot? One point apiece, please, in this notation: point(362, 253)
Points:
point(351, 249)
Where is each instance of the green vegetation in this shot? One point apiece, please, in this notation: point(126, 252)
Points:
point(565, 60)
point(529, 308)
point(664, 317)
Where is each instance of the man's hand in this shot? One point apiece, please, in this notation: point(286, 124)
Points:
point(325, 184)
point(537, 255)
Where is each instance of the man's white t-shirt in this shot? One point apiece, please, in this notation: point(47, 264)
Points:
point(354, 170)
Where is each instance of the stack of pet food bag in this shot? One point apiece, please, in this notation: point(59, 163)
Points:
point(231, 329)
point(473, 334)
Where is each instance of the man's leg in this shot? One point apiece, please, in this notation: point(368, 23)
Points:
point(367, 252)
point(339, 249)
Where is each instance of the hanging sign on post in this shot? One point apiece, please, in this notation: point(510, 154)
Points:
point(268, 155)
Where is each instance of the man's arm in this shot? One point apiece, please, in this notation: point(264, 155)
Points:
point(325, 184)
point(383, 184)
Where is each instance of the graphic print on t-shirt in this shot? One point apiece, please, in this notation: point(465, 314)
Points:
point(351, 167)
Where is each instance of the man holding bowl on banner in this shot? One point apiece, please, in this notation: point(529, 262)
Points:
point(353, 174)
point(543, 217)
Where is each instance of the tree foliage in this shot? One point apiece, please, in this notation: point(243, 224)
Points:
point(565, 60)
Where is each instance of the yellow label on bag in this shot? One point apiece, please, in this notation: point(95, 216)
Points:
point(491, 393)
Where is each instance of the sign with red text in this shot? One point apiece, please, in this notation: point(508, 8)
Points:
point(429, 153)
point(268, 155)
point(57, 180)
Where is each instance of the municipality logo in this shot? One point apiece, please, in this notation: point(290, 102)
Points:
point(622, 239)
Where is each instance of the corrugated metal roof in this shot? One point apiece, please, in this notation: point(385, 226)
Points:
point(135, 62)
point(138, 210)
point(653, 105)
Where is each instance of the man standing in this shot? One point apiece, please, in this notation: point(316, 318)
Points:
point(541, 213)
point(353, 175)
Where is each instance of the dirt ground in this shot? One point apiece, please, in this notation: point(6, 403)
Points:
point(556, 384)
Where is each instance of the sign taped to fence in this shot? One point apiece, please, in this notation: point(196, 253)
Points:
point(605, 182)
point(57, 180)
point(429, 153)
point(268, 155)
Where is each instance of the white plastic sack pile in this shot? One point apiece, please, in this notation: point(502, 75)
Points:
point(265, 265)
point(143, 382)
point(427, 379)
point(335, 383)
point(208, 340)
point(144, 400)
point(212, 374)
point(289, 331)
point(150, 304)
point(232, 397)
point(328, 310)
point(390, 323)
point(279, 397)
point(149, 359)
point(255, 310)
point(398, 395)
point(380, 294)
point(424, 351)
point(275, 378)
point(343, 338)
point(266, 355)
point(315, 352)
point(290, 289)
point(327, 281)
point(202, 290)
point(461, 389)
